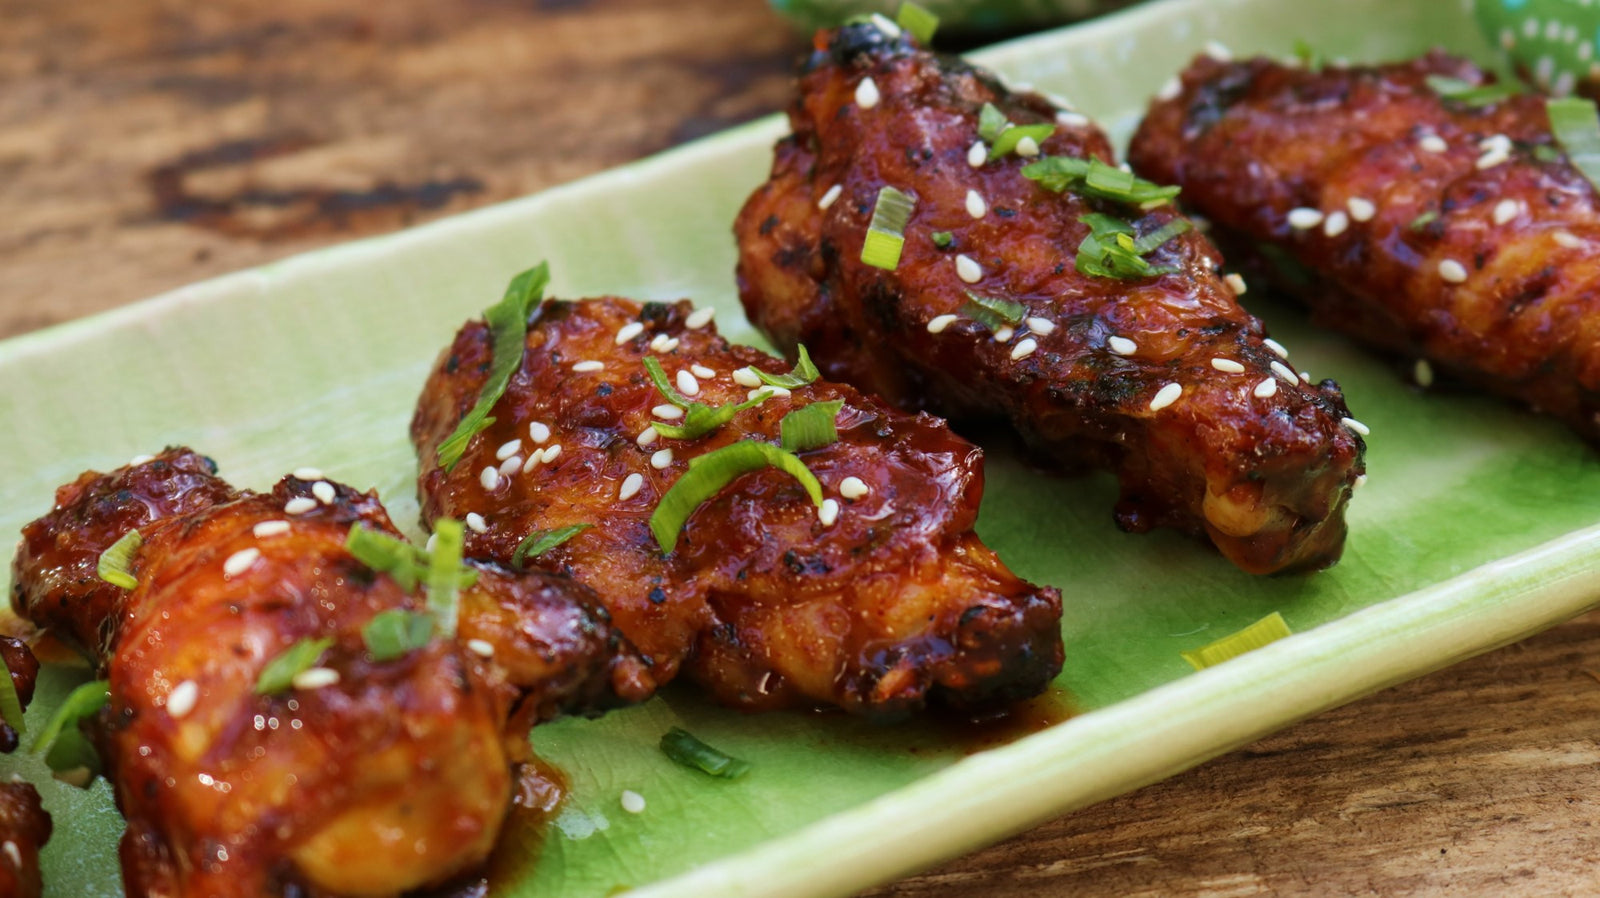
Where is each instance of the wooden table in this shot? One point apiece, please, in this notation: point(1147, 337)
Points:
point(145, 144)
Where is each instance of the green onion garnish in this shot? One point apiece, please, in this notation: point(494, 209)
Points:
point(698, 419)
point(991, 123)
point(1423, 220)
point(1576, 127)
point(1468, 94)
point(10, 702)
point(113, 564)
point(508, 331)
point(541, 541)
point(685, 749)
point(280, 672)
point(803, 373)
point(1269, 629)
point(387, 555)
point(1112, 250)
point(1307, 54)
point(1093, 178)
point(1010, 137)
point(921, 23)
point(1151, 241)
point(886, 235)
point(709, 473)
point(810, 427)
point(396, 631)
point(67, 752)
point(993, 313)
point(942, 239)
point(446, 574)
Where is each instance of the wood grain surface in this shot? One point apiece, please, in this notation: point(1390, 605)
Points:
point(145, 144)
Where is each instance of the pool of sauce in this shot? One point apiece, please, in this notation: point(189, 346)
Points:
point(974, 734)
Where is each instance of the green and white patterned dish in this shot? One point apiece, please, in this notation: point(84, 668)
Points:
point(1477, 526)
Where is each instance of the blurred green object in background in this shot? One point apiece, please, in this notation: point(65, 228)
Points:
point(1553, 43)
point(970, 16)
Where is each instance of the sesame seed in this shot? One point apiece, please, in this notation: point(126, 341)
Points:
point(977, 155)
point(1508, 38)
point(1275, 346)
point(476, 523)
point(307, 473)
point(1218, 52)
point(1304, 218)
point(538, 432)
point(481, 647)
point(667, 412)
point(1335, 224)
point(489, 477)
point(1004, 334)
point(1433, 143)
point(885, 25)
point(1027, 147)
point(660, 458)
point(588, 365)
point(1356, 426)
point(699, 318)
point(1305, 377)
point(270, 528)
point(551, 453)
point(771, 391)
point(630, 487)
point(829, 512)
point(647, 436)
point(239, 562)
point(1358, 483)
point(687, 385)
point(180, 701)
point(1024, 348)
point(746, 377)
point(867, 95)
point(1505, 210)
point(510, 466)
point(1071, 119)
point(315, 678)
point(967, 269)
point(1493, 158)
point(1266, 389)
point(1567, 239)
point(432, 543)
point(13, 853)
point(299, 505)
point(134, 462)
point(1530, 27)
point(939, 323)
point(633, 802)
point(702, 372)
point(976, 207)
point(629, 331)
point(1044, 327)
point(1236, 282)
point(1422, 373)
point(1285, 372)
point(1170, 90)
point(1122, 345)
point(508, 449)
point(1165, 396)
point(534, 458)
point(324, 492)
point(831, 195)
point(1228, 366)
point(1495, 142)
point(1452, 271)
point(853, 488)
point(663, 343)
point(1361, 209)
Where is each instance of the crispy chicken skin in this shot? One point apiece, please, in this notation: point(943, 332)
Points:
point(1496, 286)
point(894, 605)
point(1264, 472)
point(393, 777)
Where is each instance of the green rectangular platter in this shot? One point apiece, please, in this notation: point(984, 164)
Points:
point(1475, 529)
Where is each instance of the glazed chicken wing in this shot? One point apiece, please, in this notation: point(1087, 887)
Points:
point(1430, 228)
point(881, 602)
point(24, 824)
point(1161, 378)
point(361, 777)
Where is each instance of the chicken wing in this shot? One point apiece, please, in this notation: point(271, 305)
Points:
point(883, 601)
point(24, 824)
point(1161, 378)
point(1447, 230)
point(364, 777)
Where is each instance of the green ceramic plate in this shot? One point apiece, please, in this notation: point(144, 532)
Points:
point(1476, 527)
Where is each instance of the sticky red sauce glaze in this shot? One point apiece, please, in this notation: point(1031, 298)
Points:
point(24, 670)
point(895, 605)
point(1265, 478)
point(1249, 141)
point(24, 828)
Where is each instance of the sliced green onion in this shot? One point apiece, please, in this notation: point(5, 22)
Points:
point(280, 672)
point(396, 631)
point(1307, 54)
point(685, 749)
point(810, 427)
point(66, 751)
point(991, 123)
point(1111, 250)
point(942, 239)
point(803, 373)
point(541, 541)
point(1468, 94)
point(658, 376)
point(10, 702)
point(446, 574)
point(993, 313)
point(1576, 127)
point(387, 555)
point(699, 420)
point(113, 566)
point(508, 331)
point(921, 23)
point(1269, 629)
point(1093, 178)
point(1547, 153)
point(1009, 138)
point(709, 473)
point(886, 235)
point(1153, 240)
point(1423, 220)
